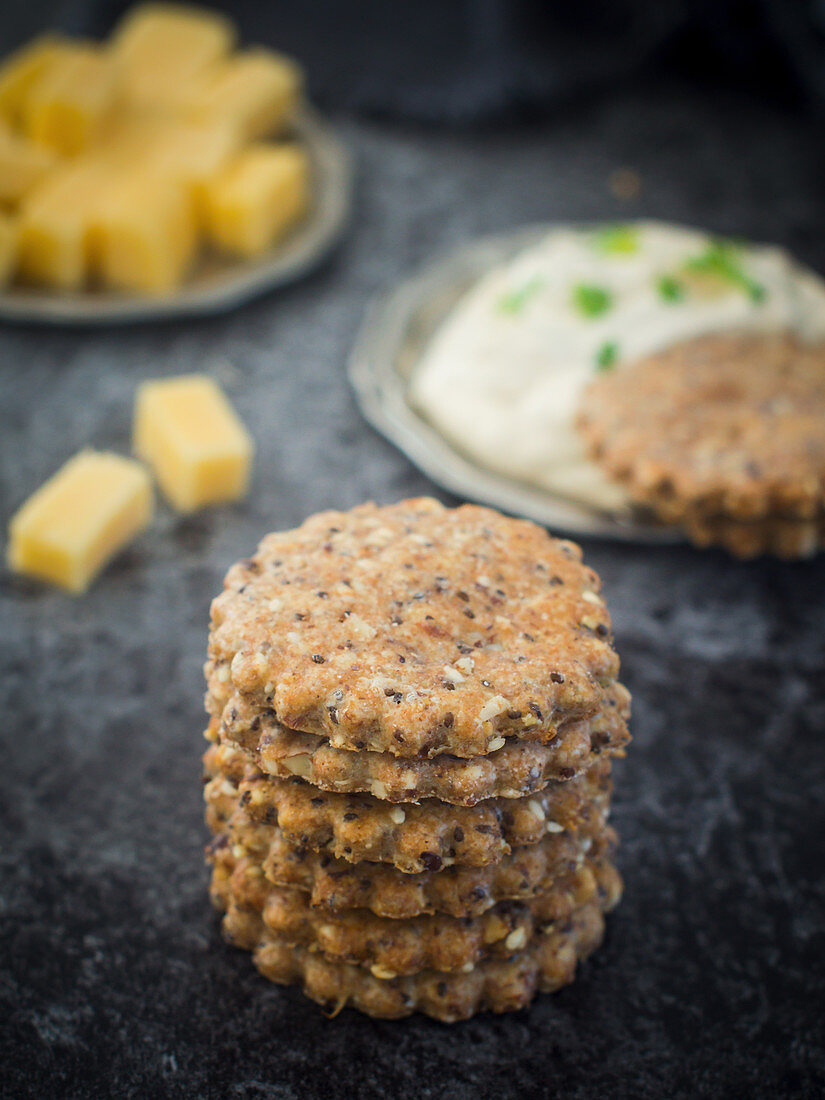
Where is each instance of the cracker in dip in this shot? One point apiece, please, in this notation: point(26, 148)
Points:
point(503, 377)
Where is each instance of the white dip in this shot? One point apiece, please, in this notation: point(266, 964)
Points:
point(502, 377)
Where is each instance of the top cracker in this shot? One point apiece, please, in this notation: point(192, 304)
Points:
point(416, 628)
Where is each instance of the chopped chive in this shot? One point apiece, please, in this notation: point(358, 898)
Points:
point(514, 301)
point(723, 259)
point(607, 355)
point(756, 292)
point(617, 240)
point(592, 301)
point(670, 289)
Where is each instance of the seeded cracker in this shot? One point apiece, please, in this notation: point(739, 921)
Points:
point(415, 629)
point(414, 838)
point(723, 436)
point(458, 891)
point(515, 770)
point(392, 947)
point(547, 962)
point(335, 885)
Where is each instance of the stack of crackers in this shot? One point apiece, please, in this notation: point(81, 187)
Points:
point(413, 712)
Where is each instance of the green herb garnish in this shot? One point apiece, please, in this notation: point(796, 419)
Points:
point(670, 289)
point(617, 240)
point(606, 356)
point(514, 301)
point(592, 301)
point(724, 260)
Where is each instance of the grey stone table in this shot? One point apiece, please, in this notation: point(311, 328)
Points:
point(113, 977)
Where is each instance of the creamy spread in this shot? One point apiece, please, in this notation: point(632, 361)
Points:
point(502, 377)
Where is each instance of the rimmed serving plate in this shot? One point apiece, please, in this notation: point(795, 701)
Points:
point(387, 352)
point(218, 284)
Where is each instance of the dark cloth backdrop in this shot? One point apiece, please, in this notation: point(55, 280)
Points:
point(466, 60)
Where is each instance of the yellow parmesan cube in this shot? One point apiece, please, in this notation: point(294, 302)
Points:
point(256, 198)
point(159, 48)
point(143, 234)
point(75, 523)
point(20, 71)
point(8, 248)
point(256, 92)
point(55, 237)
point(22, 166)
point(194, 441)
point(68, 107)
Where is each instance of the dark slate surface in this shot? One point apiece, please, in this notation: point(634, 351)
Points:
point(113, 978)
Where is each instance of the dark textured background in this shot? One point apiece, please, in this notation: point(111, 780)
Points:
point(113, 978)
point(448, 61)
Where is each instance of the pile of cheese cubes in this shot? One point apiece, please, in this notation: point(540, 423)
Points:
point(120, 162)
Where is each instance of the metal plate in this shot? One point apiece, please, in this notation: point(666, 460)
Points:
point(217, 284)
point(388, 349)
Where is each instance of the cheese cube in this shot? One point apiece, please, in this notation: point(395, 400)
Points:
point(143, 234)
point(20, 71)
point(159, 48)
point(68, 106)
point(75, 523)
point(194, 153)
point(192, 438)
point(22, 166)
point(8, 248)
point(256, 198)
point(256, 92)
point(95, 219)
point(188, 152)
point(55, 237)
